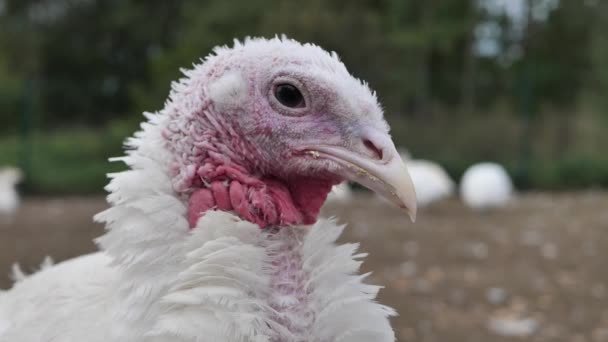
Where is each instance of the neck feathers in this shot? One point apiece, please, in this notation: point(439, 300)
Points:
point(243, 284)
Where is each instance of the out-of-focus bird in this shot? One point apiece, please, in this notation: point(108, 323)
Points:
point(9, 197)
point(486, 185)
point(213, 233)
point(341, 193)
point(431, 181)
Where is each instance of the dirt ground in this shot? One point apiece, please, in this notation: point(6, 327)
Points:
point(534, 271)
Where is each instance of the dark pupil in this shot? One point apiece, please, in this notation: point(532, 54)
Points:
point(289, 96)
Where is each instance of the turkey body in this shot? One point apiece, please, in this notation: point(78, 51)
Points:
point(74, 295)
point(297, 285)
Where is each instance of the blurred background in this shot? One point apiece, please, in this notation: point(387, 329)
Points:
point(523, 83)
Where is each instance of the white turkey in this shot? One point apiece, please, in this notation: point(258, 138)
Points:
point(213, 234)
point(431, 181)
point(486, 185)
point(9, 197)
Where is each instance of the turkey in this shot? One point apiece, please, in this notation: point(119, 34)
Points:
point(213, 233)
point(341, 193)
point(486, 185)
point(431, 181)
point(9, 198)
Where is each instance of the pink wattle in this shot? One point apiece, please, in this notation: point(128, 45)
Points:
point(266, 201)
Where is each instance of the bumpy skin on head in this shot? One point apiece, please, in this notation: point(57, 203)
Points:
point(237, 148)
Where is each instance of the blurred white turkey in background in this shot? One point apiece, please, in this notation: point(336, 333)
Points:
point(431, 181)
point(486, 185)
point(9, 198)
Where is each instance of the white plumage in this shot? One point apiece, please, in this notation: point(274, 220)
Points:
point(486, 185)
point(157, 281)
point(9, 198)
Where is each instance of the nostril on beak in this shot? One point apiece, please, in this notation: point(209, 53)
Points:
point(372, 147)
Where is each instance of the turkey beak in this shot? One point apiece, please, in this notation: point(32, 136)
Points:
point(386, 174)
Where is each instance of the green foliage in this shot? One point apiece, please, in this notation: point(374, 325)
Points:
point(599, 55)
point(11, 86)
point(74, 161)
point(98, 60)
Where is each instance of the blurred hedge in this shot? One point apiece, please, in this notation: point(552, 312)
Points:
point(75, 160)
point(65, 162)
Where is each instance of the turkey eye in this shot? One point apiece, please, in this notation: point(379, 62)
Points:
point(289, 96)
